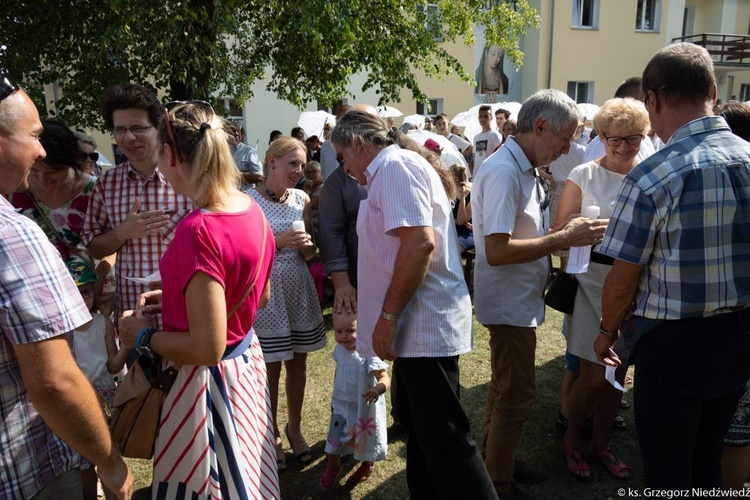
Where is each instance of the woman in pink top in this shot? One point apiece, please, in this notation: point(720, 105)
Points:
point(216, 436)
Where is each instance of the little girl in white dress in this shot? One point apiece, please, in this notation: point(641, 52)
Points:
point(357, 409)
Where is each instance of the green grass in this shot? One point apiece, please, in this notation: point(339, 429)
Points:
point(540, 446)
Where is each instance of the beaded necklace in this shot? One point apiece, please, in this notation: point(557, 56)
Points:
point(275, 198)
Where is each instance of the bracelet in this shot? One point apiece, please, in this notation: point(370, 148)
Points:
point(143, 344)
point(389, 316)
point(611, 334)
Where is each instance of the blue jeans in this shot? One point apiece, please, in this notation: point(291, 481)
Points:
point(689, 375)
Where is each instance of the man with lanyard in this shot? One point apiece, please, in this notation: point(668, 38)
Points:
point(509, 212)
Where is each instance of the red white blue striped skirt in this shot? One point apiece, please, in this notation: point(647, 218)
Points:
point(216, 436)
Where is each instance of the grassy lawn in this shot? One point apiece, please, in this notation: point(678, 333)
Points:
point(541, 444)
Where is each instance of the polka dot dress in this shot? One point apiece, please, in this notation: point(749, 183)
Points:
point(292, 321)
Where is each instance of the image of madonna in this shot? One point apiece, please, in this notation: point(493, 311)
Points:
point(489, 74)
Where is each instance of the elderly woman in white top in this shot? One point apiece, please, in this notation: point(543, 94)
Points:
point(592, 187)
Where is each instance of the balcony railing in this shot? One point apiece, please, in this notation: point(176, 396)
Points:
point(724, 49)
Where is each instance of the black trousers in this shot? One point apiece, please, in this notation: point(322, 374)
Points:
point(442, 459)
point(689, 375)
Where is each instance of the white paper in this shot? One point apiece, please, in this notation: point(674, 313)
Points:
point(578, 260)
point(148, 279)
point(609, 374)
point(298, 225)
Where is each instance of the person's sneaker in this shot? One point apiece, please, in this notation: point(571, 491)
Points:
point(515, 493)
point(527, 474)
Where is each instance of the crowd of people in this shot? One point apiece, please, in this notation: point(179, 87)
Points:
point(195, 253)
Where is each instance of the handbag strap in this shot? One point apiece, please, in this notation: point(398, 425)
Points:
point(257, 272)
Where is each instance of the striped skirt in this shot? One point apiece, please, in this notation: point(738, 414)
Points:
point(216, 436)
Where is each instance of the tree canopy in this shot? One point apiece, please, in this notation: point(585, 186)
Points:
point(305, 50)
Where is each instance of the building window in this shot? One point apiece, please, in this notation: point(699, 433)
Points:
point(744, 92)
point(431, 107)
point(648, 15)
point(585, 13)
point(581, 91)
point(432, 20)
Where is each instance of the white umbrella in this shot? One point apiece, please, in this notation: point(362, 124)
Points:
point(388, 112)
point(417, 120)
point(588, 110)
point(313, 122)
point(449, 154)
point(511, 106)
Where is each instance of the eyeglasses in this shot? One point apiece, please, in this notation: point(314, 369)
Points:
point(340, 160)
point(136, 130)
point(92, 156)
point(632, 140)
point(171, 105)
point(6, 87)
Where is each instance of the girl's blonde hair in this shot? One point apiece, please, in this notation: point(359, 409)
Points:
point(202, 141)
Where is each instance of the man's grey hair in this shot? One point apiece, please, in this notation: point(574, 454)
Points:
point(556, 107)
point(681, 73)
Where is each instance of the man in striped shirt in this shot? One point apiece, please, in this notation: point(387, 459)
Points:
point(133, 210)
point(48, 409)
point(680, 237)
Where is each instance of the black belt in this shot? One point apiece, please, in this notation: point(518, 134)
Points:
point(600, 258)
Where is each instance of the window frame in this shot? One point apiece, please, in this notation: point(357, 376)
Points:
point(574, 91)
point(422, 107)
point(578, 12)
point(642, 14)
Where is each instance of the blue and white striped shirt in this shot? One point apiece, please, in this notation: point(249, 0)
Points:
point(405, 191)
point(684, 214)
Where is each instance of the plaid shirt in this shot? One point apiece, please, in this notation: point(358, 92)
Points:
point(38, 301)
point(110, 203)
point(684, 214)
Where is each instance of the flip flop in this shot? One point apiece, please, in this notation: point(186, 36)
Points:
point(281, 465)
point(614, 465)
point(303, 457)
point(577, 464)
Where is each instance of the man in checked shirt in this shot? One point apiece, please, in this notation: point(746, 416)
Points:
point(133, 210)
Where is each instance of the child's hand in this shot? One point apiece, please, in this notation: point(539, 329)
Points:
point(372, 395)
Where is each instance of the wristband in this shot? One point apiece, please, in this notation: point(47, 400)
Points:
point(389, 316)
point(143, 344)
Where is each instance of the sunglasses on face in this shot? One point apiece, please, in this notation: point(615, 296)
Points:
point(170, 132)
point(92, 156)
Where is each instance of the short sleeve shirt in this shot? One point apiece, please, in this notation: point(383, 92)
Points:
point(506, 199)
point(228, 247)
point(110, 203)
point(405, 191)
point(683, 214)
point(38, 301)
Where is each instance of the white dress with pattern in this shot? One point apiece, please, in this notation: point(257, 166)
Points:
point(292, 321)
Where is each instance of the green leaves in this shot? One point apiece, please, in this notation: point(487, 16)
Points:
point(200, 48)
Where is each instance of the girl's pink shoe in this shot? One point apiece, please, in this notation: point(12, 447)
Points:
point(328, 479)
point(363, 472)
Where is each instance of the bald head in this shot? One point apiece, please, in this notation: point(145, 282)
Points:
point(20, 129)
point(366, 108)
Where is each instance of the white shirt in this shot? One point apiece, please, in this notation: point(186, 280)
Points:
point(505, 199)
point(485, 143)
point(561, 167)
point(595, 150)
point(405, 191)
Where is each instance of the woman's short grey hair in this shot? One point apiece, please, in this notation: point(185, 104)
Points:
point(556, 107)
